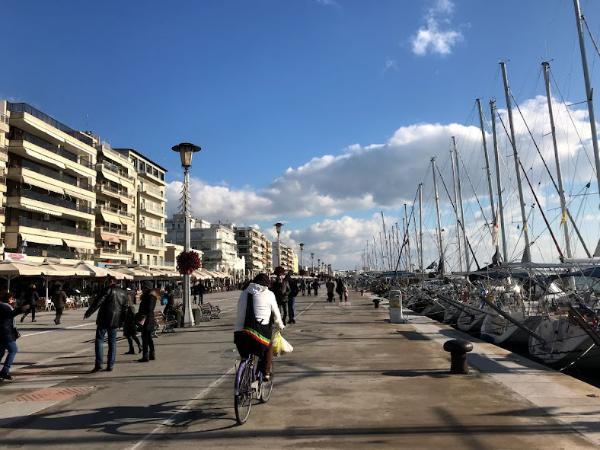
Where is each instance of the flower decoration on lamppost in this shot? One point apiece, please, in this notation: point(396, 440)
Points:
point(301, 250)
point(186, 152)
point(278, 226)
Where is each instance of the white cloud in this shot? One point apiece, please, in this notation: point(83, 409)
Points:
point(436, 35)
point(384, 176)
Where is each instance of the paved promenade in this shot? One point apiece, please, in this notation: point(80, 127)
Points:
point(353, 381)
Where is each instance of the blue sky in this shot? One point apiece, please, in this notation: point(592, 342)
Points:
point(266, 85)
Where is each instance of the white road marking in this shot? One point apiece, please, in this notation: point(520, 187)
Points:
point(58, 329)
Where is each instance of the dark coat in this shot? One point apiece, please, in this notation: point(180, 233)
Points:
point(7, 314)
point(129, 322)
point(59, 298)
point(281, 289)
point(294, 289)
point(147, 305)
point(339, 288)
point(111, 305)
point(31, 298)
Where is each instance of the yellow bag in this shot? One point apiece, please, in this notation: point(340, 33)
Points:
point(277, 343)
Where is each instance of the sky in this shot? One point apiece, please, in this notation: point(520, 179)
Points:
point(320, 113)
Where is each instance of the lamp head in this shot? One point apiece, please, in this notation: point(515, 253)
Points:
point(278, 226)
point(186, 151)
point(301, 246)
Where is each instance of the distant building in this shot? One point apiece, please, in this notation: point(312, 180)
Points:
point(256, 250)
point(288, 260)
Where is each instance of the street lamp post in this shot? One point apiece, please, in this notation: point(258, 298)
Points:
point(186, 151)
point(318, 266)
point(278, 226)
point(301, 250)
point(312, 263)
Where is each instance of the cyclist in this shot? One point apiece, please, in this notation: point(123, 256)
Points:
point(257, 311)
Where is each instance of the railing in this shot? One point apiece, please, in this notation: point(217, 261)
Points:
point(49, 252)
point(56, 149)
point(25, 108)
point(151, 226)
point(42, 170)
point(146, 207)
point(112, 251)
point(114, 230)
point(151, 190)
point(56, 201)
point(115, 169)
point(108, 188)
point(114, 211)
point(148, 243)
point(52, 226)
point(4, 118)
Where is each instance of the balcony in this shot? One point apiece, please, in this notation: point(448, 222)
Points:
point(117, 211)
point(113, 168)
point(113, 230)
point(151, 209)
point(4, 153)
point(52, 226)
point(151, 227)
point(112, 252)
point(146, 188)
point(51, 252)
point(25, 108)
point(45, 198)
point(113, 191)
point(54, 174)
point(152, 244)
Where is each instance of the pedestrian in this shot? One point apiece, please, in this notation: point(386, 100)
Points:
point(146, 320)
point(345, 294)
point(315, 285)
point(111, 304)
point(201, 290)
point(59, 298)
point(330, 286)
point(129, 328)
point(340, 288)
point(293, 293)
point(281, 289)
point(303, 286)
point(8, 332)
point(31, 299)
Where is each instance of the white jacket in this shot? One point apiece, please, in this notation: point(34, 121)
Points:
point(264, 305)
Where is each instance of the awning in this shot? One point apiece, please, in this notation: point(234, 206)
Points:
point(109, 238)
point(42, 184)
point(110, 218)
point(39, 209)
point(111, 176)
point(126, 221)
point(44, 158)
point(79, 244)
point(41, 239)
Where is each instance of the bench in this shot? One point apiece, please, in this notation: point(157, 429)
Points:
point(166, 324)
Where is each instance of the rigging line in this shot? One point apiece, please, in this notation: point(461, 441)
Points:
point(457, 219)
point(475, 193)
point(562, 97)
point(590, 34)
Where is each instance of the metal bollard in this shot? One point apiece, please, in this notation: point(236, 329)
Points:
point(458, 349)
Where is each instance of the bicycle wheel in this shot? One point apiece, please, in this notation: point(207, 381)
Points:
point(266, 387)
point(243, 392)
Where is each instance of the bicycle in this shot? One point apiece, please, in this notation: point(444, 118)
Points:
point(249, 384)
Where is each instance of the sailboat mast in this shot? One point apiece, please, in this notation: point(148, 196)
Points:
point(498, 183)
point(461, 208)
point(407, 234)
point(487, 169)
point(439, 220)
point(588, 95)
point(421, 266)
point(456, 211)
point(561, 192)
point(527, 252)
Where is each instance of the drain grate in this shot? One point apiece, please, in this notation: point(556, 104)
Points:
point(54, 394)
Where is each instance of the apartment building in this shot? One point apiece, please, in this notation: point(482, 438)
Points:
point(4, 129)
point(50, 196)
point(150, 209)
point(288, 259)
point(116, 182)
point(256, 250)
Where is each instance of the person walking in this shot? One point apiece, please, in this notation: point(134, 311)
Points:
point(31, 299)
point(315, 286)
point(281, 289)
point(111, 305)
point(340, 288)
point(146, 320)
point(129, 328)
point(8, 333)
point(330, 286)
point(303, 286)
point(59, 298)
point(293, 293)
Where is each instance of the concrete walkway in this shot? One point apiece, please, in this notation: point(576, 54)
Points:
point(353, 381)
